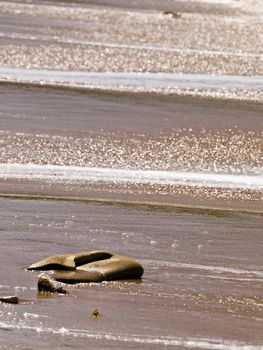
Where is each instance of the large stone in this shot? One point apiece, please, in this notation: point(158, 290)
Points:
point(94, 266)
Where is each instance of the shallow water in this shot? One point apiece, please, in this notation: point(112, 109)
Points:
point(126, 36)
point(125, 129)
point(201, 287)
point(130, 146)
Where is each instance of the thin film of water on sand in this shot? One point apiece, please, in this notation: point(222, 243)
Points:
point(139, 163)
point(195, 278)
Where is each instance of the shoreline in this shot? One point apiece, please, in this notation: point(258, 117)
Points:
point(180, 197)
point(182, 95)
point(213, 210)
point(216, 88)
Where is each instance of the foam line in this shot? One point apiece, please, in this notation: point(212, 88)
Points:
point(57, 173)
point(213, 269)
point(133, 80)
point(211, 344)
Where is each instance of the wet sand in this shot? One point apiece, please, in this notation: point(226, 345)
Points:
point(200, 243)
point(201, 288)
point(201, 247)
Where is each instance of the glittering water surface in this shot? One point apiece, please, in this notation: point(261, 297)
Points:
point(227, 41)
point(74, 136)
point(227, 151)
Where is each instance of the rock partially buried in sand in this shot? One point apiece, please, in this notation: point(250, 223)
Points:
point(11, 299)
point(44, 285)
point(172, 14)
point(94, 266)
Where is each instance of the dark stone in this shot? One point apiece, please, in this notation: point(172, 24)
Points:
point(12, 299)
point(96, 313)
point(44, 285)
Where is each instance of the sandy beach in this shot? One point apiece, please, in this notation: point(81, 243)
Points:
point(134, 127)
point(201, 288)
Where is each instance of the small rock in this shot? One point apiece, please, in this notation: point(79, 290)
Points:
point(12, 299)
point(44, 285)
point(96, 313)
point(172, 14)
point(60, 290)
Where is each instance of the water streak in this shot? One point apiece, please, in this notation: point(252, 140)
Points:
point(134, 80)
point(214, 269)
point(75, 173)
